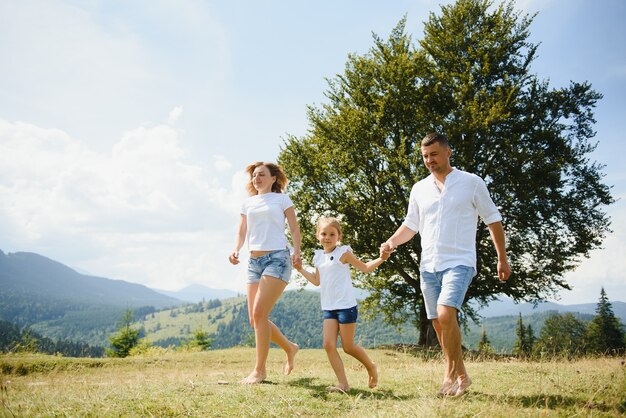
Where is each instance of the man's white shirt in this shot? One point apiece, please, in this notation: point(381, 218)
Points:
point(446, 220)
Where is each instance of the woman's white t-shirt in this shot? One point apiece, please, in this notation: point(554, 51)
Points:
point(336, 291)
point(265, 218)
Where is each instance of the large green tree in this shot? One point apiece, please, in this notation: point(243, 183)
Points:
point(605, 333)
point(470, 78)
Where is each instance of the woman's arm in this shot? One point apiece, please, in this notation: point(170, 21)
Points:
point(240, 238)
point(290, 214)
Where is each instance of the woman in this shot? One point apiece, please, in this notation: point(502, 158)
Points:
point(262, 223)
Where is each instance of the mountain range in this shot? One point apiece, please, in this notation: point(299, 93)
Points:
point(197, 293)
point(506, 306)
point(24, 274)
point(59, 302)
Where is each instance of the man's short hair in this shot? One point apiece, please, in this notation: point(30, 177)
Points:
point(433, 137)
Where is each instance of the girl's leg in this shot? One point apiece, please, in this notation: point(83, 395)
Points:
point(277, 337)
point(347, 332)
point(331, 329)
point(268, 292)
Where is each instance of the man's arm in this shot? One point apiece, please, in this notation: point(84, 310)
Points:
point(402, 235)
point(499, 241)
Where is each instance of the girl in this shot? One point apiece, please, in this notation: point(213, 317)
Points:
point(332, 273)
point(262, 223)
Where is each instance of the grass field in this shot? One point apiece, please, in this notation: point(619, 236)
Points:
point(205, 384)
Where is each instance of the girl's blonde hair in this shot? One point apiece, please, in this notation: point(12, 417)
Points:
point(275, 170)
point(328, 221)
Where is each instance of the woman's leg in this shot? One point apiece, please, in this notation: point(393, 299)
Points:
point(347, 332)
point(331, 330)
point(267, 293)
point(277, 337)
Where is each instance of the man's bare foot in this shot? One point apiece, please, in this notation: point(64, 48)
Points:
point(372, 381)
point(338, 388)
point(291, 355)
point(462, 385)
point(253, 378)
point(448, 388)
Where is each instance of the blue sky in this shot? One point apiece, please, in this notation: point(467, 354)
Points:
point(125, 125)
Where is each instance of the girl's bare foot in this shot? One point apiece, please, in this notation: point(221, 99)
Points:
point(373, 377)
point(448, 388)
point(291, 355)
point(253, 378)
point(338, 388)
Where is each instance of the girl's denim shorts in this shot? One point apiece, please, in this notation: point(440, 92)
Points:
point(274, 264)
point(343, 316)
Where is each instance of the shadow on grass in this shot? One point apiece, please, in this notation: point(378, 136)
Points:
point(321, 391)
point(554, 402)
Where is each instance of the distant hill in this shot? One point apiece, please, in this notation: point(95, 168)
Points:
point(501, 330)
point(506, 306)
point(60, 303)
point(297, 314)
point(197, 293)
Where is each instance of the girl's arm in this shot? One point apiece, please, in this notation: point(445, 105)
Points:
point(314, 278)
point(368, 267)
point(290, 214)
point(240, 238)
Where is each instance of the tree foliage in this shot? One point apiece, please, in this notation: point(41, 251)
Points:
point(470, 78)
point(562, 336)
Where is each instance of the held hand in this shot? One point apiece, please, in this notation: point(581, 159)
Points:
point(296, 261)
point(297, 265)
point(386, 248)
point(234, 257)
point(504, 270)
point(384, 255)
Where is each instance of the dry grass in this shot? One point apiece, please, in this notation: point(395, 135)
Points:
point(205, 384)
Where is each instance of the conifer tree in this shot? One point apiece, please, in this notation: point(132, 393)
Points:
point(521, 347)
point(484, 345)
point(605, 333)
point(125, 339)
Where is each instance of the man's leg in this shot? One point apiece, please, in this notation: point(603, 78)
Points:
point(451, 340)
point(454, 285)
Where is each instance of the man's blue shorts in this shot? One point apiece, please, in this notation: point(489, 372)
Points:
point(447, 287)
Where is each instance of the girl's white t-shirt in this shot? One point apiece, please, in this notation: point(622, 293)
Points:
point(265, 218)
point(336, 291)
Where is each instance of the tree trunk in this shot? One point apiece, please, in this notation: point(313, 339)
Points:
point(427, 335)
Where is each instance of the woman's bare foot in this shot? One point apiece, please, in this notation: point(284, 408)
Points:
point(338, 388)
point(373, 377)
point(291, 355)
point(448, 388)
point(253, 378)
point(462, 385)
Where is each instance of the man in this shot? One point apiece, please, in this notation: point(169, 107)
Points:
point(444, 209)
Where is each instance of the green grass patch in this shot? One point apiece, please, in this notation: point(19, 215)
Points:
point(206, 384)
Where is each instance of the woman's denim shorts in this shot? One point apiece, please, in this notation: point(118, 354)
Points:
point(344, 316)
point(274, 264)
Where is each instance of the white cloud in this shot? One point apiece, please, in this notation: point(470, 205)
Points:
point(220, 163)
point(144, 212)
point(604, 267)
point(174, 115)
